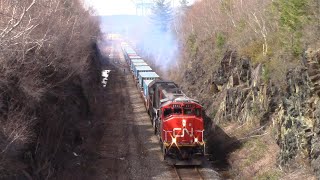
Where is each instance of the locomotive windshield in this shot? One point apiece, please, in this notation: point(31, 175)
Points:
point(167, 112)
point(175, 110)
point(192, 112)
point(188, 111)
point(198, 112)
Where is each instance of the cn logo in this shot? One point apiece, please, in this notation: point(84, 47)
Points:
point(184, 130)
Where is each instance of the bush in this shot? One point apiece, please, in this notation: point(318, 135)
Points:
point(220, 40)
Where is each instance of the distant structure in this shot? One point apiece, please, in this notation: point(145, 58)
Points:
point(143, 7)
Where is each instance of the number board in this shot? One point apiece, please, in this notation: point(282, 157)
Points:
point(189, 105)
point(176, 105)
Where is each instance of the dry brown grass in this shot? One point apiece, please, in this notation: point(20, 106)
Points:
point(258, 154)
point(256, 159)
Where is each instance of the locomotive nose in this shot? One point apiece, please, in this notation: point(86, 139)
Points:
point(187, 131)
point(183, 131)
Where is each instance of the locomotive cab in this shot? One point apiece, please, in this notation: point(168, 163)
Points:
point(178, 122)
point(181, 123)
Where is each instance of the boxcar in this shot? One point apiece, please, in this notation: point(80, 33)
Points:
point(135, 61)
point(138, 64)
point(146, 76)
point(142, 68)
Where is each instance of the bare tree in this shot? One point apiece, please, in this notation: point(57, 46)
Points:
point(45, 51)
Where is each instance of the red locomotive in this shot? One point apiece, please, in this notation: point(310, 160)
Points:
point(178, 121)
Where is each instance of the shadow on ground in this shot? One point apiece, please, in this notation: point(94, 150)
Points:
point(219, 146)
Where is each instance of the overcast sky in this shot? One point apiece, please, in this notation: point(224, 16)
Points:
point(116, 7)
point(112, 7)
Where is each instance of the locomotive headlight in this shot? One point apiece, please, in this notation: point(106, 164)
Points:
point(184, 123)
point(196, 140)
point(174, 140)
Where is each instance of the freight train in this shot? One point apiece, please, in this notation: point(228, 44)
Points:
point(176, 118)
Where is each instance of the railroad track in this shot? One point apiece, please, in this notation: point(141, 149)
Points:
point(182, 172)
point(117, 59)
point(185, 173)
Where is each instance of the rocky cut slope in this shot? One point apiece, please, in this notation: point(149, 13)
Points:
point(297, 118)
point(239, 93)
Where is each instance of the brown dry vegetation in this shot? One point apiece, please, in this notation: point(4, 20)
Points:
point(215, 37)
point(47, 53)
point(272, 32)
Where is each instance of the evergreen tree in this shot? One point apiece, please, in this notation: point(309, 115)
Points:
point(293, 15)
point(161, 15)
point(184, 3)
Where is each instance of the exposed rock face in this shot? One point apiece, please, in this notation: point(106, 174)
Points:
point(240, 94)
point(313, 64)
point(293, 120)
point(298, 118)
point(298, 122)
point(227, 64)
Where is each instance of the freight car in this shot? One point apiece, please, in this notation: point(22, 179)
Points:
point(176, 118)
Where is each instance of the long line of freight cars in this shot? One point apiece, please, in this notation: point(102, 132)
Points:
point(176, 118)
point(142, 72)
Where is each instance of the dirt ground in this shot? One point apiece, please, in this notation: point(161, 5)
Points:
point(128, 148)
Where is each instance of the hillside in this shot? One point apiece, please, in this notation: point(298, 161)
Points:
point(254, 66)
point(48, 70)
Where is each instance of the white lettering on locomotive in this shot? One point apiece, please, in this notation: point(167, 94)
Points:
point(184, 129)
